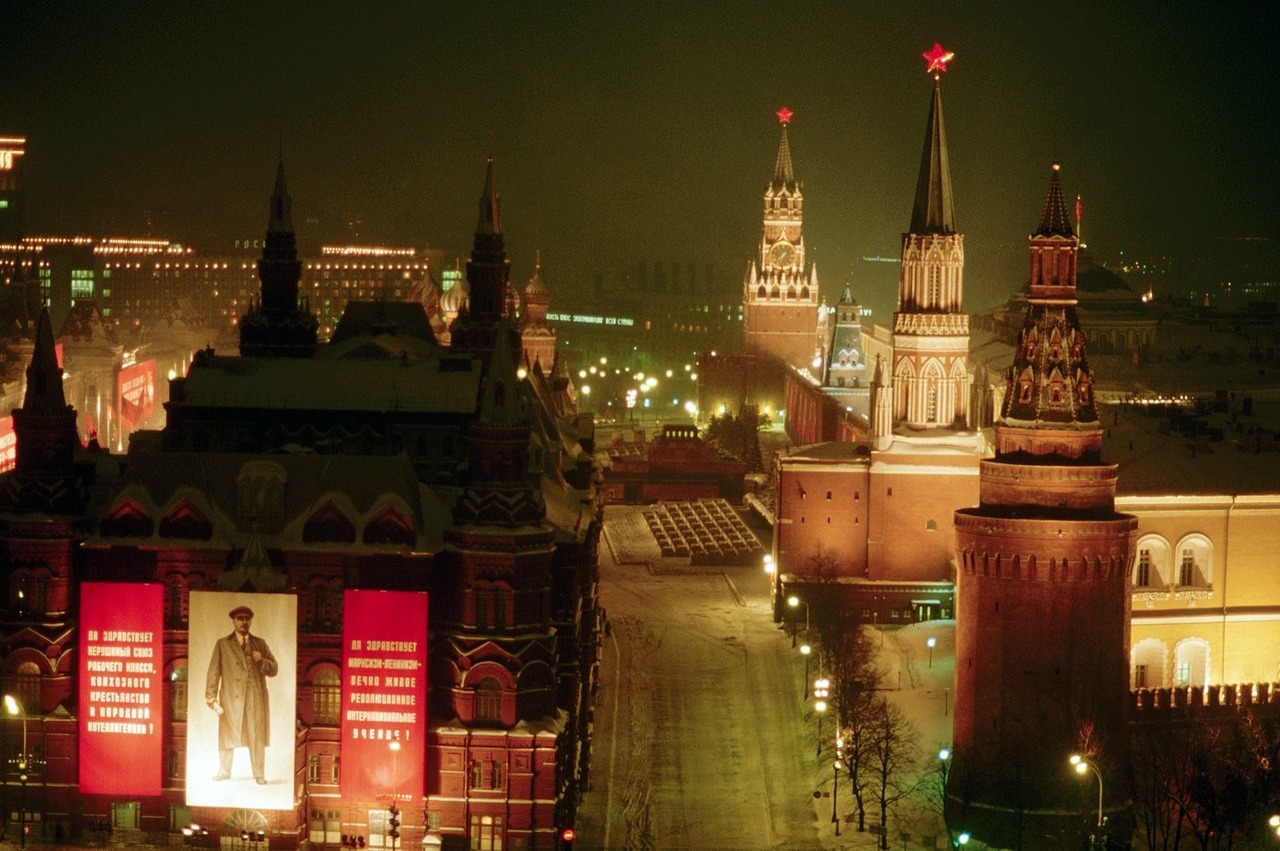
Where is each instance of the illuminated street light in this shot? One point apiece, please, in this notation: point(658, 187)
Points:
point(13, 707)
point(820, 691)
point(586, 390)
point(794, 601)
point(1274, 821)
point(805, 650)
point(769, 567)
point(931, 643)
point(1082, 766)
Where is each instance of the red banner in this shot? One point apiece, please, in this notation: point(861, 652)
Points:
point(121, 670)
point(384, 694)
point(8, 444)
point(136, 394)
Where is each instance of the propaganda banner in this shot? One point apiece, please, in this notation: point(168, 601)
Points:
point(384, 695)
point(136, 394)
point(121, 675)
point(8, 444)
point(241, 699)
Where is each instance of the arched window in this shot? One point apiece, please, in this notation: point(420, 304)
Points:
point(326, 696)
point(488, 695)
point(1152, 567)
point(178, 692)
point(1195, 562)
point(1148, 658)
point(1191, 662)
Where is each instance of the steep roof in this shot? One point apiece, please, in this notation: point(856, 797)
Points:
point(934, 211)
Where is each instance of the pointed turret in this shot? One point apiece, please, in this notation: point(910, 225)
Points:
point(1043, 588)
point(44, 394)
point(488, 276)
point(784, 176)
point(931, 329)
point(934, 211)
point(780, 290)
point(490, 204)
point(45, 478)
point(278, 326)
point(499, 489)
point(845, 365)
point(1052, 384)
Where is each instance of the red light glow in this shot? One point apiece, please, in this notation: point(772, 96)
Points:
point(937, 59)
point(784, 116)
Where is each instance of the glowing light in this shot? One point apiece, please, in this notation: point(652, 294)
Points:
point(937, 59)
point(586, 390)
point(784, 116)
point(521, 373)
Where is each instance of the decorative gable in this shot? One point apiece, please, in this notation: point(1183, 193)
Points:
point(329, 525)
point(184, 520)
point(126, 519)
point(389, 525)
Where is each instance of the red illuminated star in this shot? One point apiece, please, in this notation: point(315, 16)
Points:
point(937, 59)
point(784, 116)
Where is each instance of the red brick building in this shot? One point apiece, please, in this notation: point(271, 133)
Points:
point(381, 461)
point(676, 465)
point(1042, 627)
point(877, 516)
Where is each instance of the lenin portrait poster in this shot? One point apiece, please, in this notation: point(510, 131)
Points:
point(241, 699)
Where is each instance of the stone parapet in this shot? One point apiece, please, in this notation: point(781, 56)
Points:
point(1056, 486)
point(1044, 550)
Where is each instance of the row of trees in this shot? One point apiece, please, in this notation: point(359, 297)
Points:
point(881, 757)
point(739, 436)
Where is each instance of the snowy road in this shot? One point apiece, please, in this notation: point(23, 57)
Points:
point(699, 739)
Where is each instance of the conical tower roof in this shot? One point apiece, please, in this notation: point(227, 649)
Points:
point(784, 175)
point(1054, 220)
point(490, 205)
point(44, 377)
point(934, 211)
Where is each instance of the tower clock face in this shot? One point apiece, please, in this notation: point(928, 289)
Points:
point(782, 253)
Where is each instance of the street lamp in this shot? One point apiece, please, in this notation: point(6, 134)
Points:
point(1274, 821)
point(931, 643)
point(1082, 766)
point(794, 601)
point(13, 707)
point(835, 781)
point(820, 691)
point(805, 650)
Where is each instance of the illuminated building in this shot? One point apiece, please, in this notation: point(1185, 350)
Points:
point(12, 149)
point(537, 338)
point(780, 291)
point(877, 516)
point(1042, 616)
point(381, 462)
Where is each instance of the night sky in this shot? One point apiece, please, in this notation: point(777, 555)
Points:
point(624, 132)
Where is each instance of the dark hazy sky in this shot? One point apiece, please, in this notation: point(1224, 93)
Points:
point(624, 131)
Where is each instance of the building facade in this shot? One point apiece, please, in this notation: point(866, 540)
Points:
point(302, 470)
point(1042, 615)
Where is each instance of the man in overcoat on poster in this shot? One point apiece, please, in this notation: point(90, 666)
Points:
point(236, 689)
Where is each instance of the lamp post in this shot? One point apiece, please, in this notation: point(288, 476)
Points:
point(820, 691)
point(14, 707)
point(805, 651)
point(393, 812)
point(931, 643)
point(794, 601)
point(1274, 823)
point(1082, 766)
point(835, 781)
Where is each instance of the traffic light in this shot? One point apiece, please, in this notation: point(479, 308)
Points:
point(566, 838)
point(393, 823)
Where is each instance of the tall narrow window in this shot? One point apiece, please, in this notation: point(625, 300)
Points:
point(1187, 570)
point(326, 690)
point(1182, 674)
point(1143, 577)
point(1139, 676)
point(489, 701)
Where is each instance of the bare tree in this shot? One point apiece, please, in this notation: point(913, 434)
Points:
point(893, 759)
point(848, 653)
